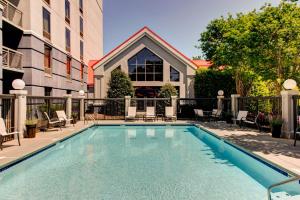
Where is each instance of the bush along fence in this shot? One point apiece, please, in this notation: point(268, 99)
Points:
point(19, 107)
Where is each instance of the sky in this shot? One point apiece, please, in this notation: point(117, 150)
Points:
point(179, 22)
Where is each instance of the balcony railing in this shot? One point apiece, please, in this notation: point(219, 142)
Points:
point(12, 13)
point(11, 58)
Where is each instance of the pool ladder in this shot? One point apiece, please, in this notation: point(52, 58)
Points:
point(297, 178)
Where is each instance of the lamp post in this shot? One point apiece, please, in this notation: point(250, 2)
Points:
point(20, 104)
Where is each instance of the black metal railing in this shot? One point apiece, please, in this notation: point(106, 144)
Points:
point(267, 105)
point(186, 106)
point(159, 103)
point(7, 109)
point(104, 109)
point(76, 108)
point(37, 105)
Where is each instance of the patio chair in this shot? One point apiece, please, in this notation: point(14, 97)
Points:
point(131, 113)
point(242, 115)
point(216, 115)
point(4, 133)
point(62, 117)
point(150, 113)
point(169, 113)
point(52, 123)
point(198, 113)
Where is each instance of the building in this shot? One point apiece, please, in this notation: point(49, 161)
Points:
point(150, 62)
point(48, 44)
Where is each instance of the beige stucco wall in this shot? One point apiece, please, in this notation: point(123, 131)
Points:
point(102, 73)
point(93, 24)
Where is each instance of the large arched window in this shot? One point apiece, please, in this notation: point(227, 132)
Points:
point(145, 66)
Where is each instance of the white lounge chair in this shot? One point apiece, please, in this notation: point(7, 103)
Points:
point(198, 113)
point(62, 117)
point(131, 113)
point(242, 115)
point(150, 113)
point(169, 113)
point(52, 123)
point(150, 132)
point(4, 133)
point(216, 114)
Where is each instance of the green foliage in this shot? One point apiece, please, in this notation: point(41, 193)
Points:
point(119, 85)
point(261, 45)
point(209, 82)
point(167, 90)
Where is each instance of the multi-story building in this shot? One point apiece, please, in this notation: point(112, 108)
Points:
point(48, 44)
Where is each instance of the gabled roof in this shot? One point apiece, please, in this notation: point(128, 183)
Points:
point(203, 63)
point(142, 32)
point(90, 78)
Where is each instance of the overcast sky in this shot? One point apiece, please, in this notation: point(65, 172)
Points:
point(179, 22)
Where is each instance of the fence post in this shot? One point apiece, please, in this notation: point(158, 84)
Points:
point(68, 105)
point(20, 109)
point(234, 104)
point(288, 112)
point(82, 107)
point(174, 104)
point(127, 104)
point(220, 102)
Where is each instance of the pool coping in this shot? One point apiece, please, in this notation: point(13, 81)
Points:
point(259, 158)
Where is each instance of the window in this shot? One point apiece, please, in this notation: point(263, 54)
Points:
point(67, 11)
point(81, 72)
point(47, 59)
point(46, 24)
point(174, 74)
point(81, 50)
point(81, 6)
point(81, 27)
point(47, 1)
point(68, 67)
point(69, 92)
point(145, 66)
point(47, 91)
point(68, 40)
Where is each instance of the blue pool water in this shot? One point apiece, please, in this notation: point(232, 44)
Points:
point(139, 162)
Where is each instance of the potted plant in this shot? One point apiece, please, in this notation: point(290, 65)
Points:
point(276, 125)
point(31, 125)
point(75, 118)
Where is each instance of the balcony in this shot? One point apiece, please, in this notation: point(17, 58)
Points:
point(11, 13)
point(11, 58)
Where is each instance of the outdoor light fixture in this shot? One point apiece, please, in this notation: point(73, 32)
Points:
point(220, 93)
point(81, 92)
point(18, 84)
point(289, 84)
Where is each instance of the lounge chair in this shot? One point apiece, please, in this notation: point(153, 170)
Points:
point(198, 113)
point(62, 117)
point(131, 113)
point(52, 123)
point(216, 115)
point(169, 114)
point(4, 133)
point(242, 115)
point(150, 113)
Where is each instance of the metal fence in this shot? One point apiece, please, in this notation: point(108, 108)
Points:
point(296, 106)
point(267, 105)
point(7, 109)
point(102, 109)
point(76, 108)
point(186, 106)
point(37, 105)
point(142, 103)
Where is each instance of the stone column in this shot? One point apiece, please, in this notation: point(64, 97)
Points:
point(127, 104)
point(174, 104)
point(82, 107)
point(20, 110)
point(220, 102)
point(235, 104)
point(288, 112)
point(68, 105)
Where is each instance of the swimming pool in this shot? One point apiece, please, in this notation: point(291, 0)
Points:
point(140, 162)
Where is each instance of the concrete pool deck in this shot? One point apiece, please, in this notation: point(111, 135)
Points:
point(279, 151)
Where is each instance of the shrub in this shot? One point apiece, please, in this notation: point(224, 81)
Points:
point(119, 85)
point(167, 90)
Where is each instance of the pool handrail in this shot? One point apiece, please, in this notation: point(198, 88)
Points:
point(297, 178)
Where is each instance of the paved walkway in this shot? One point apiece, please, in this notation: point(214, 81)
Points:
point(279, 151)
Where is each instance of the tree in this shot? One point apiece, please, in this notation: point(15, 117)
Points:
point(167, 90)
point(119, 85)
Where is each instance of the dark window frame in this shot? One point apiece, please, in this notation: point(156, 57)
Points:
point(69, 67)
point(48, 59)
point(81, 26)
point(46, 29)
point(175, 73)
point(68, 39)
point(81, 6)
point(67, 11)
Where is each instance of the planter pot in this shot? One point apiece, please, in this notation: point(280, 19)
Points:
point(31, 131)
point(276, 131)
